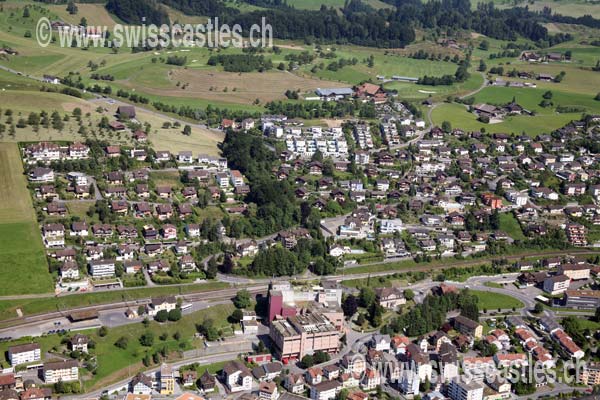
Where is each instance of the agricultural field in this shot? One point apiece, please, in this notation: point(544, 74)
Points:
point(577, 89)
point(231, 87)
point(385, 62)
point(20, 241)
point(411, 91)
point(95, 14)
point(27, 99)
point(571, 8)
point(197, 84)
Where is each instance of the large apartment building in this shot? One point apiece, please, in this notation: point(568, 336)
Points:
point(102, 268)
point(468, 327)
point(460, 390)
point(591, 374)
point(24, 353)
point(65, 371)
point(303, 334)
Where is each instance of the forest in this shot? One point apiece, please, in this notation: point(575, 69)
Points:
point(360, 24)
point(138, 12)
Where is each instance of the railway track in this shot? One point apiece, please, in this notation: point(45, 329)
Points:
point(262, 286)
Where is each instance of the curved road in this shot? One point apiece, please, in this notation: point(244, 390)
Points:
point(483, 85)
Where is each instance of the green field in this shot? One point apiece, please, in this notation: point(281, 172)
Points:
point(492, 301)
point(206, 85)
point(386, 63)
point(21, 249)
point(412, 91)
point(546, 119)
point(459, 117)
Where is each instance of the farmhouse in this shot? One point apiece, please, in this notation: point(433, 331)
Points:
point(370, 92)
point(487, 110)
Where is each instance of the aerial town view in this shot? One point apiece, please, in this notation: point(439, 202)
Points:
point(299, 199)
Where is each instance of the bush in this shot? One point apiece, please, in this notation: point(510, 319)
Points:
point(174, 315)
point(307, 361)
point(122, 342)
point(321, 357)
point(242, 299)
point(147, 339)
point(237, 315)
point(161, 316)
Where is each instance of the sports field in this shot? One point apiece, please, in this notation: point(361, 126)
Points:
point(492, 301)
point(22, 259)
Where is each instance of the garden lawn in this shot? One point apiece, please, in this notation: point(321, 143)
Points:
point(510, 225)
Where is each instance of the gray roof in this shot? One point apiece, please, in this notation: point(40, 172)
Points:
point(549, 324)
point(334, 91)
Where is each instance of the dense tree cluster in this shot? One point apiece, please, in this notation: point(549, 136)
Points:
point(201, 7)
point(241, 62)
point(461, 75)
point(329, 109)
point(431, 314)
point(356, 24)
point(176, 60)
point(275, 200)
point(279, 261)
point(138, 12)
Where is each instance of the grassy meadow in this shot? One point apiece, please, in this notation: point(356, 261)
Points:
point(577, 89)
point(22, 249)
